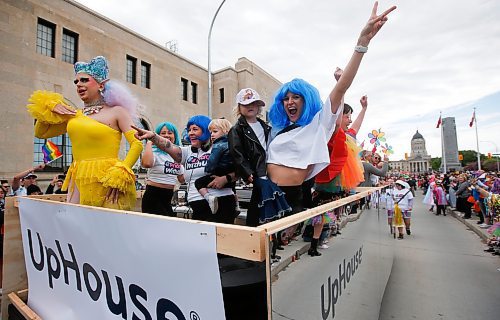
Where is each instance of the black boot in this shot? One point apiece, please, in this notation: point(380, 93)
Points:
point(313, 251)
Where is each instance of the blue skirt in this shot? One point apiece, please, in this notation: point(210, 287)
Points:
point(272, 204)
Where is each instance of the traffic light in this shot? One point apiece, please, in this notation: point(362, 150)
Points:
point(460, 157)
point(489, 155)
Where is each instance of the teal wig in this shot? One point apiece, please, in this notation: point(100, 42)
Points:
point(170, 127)
point(312, 104)
point(202, 122)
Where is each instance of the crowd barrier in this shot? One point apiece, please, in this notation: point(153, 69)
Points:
point(237, 248)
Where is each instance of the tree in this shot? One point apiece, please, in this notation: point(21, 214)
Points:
point(436, 163)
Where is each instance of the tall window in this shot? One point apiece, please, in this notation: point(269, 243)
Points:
point(145, 75)
point(184, 89)
point(194, 92)
point(131, 67)
point(45, 38)
point(221, 95)
point(69, 46)
point(63, 143)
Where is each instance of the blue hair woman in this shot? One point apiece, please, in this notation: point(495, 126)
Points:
point(163, 173)
point(302, 125)
point(194, 158)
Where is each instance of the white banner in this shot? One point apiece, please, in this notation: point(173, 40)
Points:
point(92, 263)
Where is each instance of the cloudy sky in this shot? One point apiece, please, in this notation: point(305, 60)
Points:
point(431, 56)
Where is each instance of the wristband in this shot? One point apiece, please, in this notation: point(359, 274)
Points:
point(361, 49)
point(229, 178)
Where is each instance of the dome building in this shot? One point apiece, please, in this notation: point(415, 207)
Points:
point(418, 161)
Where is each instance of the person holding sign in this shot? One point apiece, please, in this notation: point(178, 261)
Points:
point(97, 177)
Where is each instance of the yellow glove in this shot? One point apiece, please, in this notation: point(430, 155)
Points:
point(120, 176)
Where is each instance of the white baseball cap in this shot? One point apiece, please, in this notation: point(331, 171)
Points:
point(247, 96)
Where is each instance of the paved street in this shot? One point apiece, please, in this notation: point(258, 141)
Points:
point(439, 272)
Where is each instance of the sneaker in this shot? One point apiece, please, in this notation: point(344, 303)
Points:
point(408, 231)
point(484, 226)
point(213, 203)
point(323, 246)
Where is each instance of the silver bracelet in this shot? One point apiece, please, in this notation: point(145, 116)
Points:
point(360, 49)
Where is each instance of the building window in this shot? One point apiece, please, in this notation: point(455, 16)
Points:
point(145, 75)
point(194, 92)
point(184, 89)
point(221, 95)
point(63, 143)
point(69, 46)
point(131, 67)
point(45, 38)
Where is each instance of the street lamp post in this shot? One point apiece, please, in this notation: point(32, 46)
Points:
point(496, 153)
point(209, 62)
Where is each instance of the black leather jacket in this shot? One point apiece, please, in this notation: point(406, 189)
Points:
point(248, 154)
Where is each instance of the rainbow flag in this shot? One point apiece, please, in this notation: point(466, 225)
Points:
point(50, 152)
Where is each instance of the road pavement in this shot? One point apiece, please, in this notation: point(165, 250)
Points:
point(441, 272)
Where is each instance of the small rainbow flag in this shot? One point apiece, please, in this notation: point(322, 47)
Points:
point(50, 152)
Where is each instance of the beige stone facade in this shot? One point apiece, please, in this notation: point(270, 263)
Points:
point(418, 161)
point(23, 70)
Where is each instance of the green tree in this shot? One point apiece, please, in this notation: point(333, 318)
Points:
point(436, 163)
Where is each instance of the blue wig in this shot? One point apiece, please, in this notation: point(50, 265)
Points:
point(202, 122)
point(170, 127)
point(312, 103)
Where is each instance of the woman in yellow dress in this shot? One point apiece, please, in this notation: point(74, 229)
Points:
point(97, 177)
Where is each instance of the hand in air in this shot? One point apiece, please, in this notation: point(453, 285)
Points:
point(338, 73)
point(364, 101)
point(372, 27)
point(142, 134)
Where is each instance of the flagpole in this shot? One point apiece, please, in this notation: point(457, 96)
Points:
point(477, 143)
point(443, 152)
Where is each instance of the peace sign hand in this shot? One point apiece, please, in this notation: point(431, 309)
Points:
point(373, 25)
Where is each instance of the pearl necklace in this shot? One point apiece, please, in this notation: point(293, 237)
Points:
point(93, 107)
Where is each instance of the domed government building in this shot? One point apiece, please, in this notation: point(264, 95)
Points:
point(418, 161)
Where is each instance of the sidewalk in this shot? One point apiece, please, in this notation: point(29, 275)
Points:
point(296, 248)
point(470, 223)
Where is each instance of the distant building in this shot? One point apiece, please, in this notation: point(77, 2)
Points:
point(450, 145)
point(41, 40)
point(418, 161)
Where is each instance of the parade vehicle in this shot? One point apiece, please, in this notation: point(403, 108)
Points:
point(69, 261)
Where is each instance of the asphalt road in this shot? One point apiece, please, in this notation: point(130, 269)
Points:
point(438, 272)
point(441, 272)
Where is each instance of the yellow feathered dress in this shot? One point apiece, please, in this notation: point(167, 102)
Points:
point(96, 166)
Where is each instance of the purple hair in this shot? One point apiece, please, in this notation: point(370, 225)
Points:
point(117, 94)
point(496, 186)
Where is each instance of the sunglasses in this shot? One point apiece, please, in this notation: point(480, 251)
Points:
point(82, 80)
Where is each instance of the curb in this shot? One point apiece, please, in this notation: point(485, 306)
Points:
point(295, 252)
point(471, 224)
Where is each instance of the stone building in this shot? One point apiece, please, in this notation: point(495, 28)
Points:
point(418, 161)
point(40, 41)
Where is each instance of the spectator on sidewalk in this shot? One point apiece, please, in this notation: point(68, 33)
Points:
point(462, 194)
point(24, 179)
point(440, 198)
point(55, 186)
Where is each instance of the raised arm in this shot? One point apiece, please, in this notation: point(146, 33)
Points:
point(356, 125)
point(372, 27)
point(162, 143)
